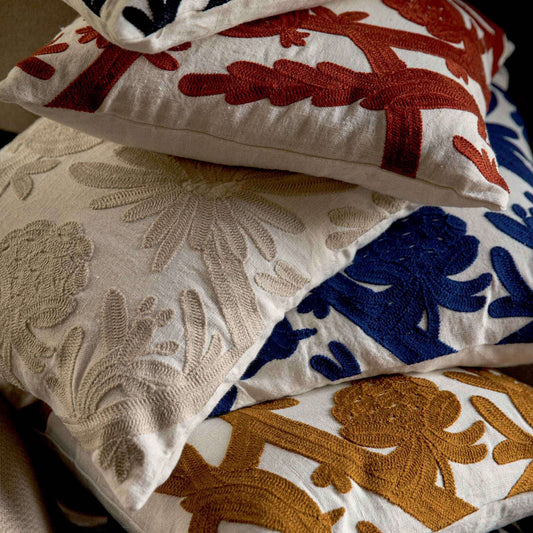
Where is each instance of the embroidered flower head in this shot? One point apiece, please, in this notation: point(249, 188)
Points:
point(42, 267)
point(410, 414)
point(202, 203)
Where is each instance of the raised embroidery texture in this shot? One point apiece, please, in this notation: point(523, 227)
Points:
point(414, 260)
point(402, 92)
point(42, 267)
point(360, 220)
point(88, 91)
point(215, 209)
point(287, 281)
point(37, 153)
point(518, 444)
point(378, 413)
point(150, 389)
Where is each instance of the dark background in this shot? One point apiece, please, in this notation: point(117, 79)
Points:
point(512, 17)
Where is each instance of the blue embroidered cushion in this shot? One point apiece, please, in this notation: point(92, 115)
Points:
point(438, 288)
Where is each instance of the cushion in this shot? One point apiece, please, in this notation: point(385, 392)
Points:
point(438, 288)
point(439, 451)
point(155, 25)
point(378, 93)
point(136, 287)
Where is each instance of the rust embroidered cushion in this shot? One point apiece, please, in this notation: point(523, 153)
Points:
point(440, 451)
point(155, 25)
point(388, 94)
point(438, 288)
point(136, 287)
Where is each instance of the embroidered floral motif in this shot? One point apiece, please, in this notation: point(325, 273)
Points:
point(36, 153)
point(282, 344)
point(415, 258)
point(519, 303)
point(36, 67)
point(519, 231)
point(238, 491)
point(213, 208)
point(345, 367)
point(487, 167)
point(103, 74)
point(42, 267)
point(163, 12)
point(518, 444)
point(361, 220)
point(287, 281)
point(406, 476)
point(502, 138)
point(150, 389)
point(400, 91)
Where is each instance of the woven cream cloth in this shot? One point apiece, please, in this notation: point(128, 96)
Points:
point(22, 509)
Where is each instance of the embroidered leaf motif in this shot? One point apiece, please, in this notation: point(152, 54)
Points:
point(36, 67)
point(238, 491)
point(519, 303)
point(409, 414)
point(83, 94)
point(287, 281)
point(412, 262)
point(487, 167)
point(518, 444)
point(42, 267)
point(367, 527)
point(360, 220)
point(347, 365)
point(34, 152)
point(282, 344)
point(508, 154)
point(519, 231)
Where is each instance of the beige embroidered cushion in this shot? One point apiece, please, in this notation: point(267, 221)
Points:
point(136, 287)
point(441, 451)
point(384, 93)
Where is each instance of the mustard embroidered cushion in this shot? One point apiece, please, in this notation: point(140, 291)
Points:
point(155, 25)
point(440, 451)
point(136, 287)
point(388, 94)
point(438, 288)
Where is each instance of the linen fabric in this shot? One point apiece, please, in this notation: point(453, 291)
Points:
point(152, 26)
point(447, 450)
point(136, 287)
point(372, 92)
point(438, 288)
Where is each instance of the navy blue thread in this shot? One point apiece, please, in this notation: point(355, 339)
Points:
point(347, 364)
point(413, 260)
point(95, 5)
point(508, 154)
point(519, 231)
point(519, 303)
point(163, 13)
point(281, 344)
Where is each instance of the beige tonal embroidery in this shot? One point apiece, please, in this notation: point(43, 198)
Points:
point(408, 414)
point(212, 207)
point(518, 444)
point(35, 152)
point(154, 394)
point(287, 281)
point(238, 491)
point(42, 267)
point(360, 220)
